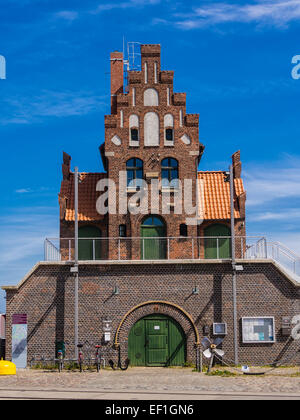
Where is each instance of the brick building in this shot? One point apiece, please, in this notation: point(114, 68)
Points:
point(155, 279)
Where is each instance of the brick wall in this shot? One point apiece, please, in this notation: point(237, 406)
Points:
point(47, 297)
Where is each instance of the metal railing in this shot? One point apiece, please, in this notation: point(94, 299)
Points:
point(172, 248)
point(212, 247)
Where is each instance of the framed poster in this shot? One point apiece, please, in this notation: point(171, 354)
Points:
point(258, 329)
point(19, 340)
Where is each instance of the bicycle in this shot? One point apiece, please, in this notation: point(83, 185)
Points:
point(80, 357)
point(98, 357)
point(60, 358)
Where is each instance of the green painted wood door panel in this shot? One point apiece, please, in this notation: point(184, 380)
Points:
point(152, 248)
point(137, 344)
point(217, 248)
point(177, 344)
point(157, 340)
point(89, 249)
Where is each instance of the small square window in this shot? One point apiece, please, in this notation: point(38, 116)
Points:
point(183, 230)
point(122, 231)
point(134, 134)
point(169, 134)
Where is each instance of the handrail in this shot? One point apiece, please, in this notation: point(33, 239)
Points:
point(248, 247)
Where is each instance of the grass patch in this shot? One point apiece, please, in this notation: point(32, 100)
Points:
point(224, 373)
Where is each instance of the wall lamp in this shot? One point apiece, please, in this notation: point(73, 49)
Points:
point(116, 291)
point(196, 290)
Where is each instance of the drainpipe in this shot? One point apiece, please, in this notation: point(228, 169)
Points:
point(233, 260)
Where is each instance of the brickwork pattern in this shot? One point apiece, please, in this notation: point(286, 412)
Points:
point(48, 299)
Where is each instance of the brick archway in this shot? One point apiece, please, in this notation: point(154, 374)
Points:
point(157, 307)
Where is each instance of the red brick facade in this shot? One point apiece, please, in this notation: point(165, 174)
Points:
point(150, 106)
point(47, 297)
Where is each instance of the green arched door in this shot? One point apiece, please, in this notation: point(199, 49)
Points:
point(157, 340)
point(217, 247)
point(153, 242)
point(89, 243)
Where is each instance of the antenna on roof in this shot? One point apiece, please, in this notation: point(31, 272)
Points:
point(132, 61)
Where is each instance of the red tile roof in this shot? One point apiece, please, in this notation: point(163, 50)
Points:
point(87, 197)
point(214, 196)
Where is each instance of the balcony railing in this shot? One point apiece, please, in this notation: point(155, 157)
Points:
point(172, 248)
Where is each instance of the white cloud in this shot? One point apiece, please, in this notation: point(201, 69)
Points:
point(265, 183)
point(278, 13)
point(27, 109)
point(124, 5)
point(284, 215)
point(67, 15)
point(23, 191)
point(273, 197)
point(23, 233)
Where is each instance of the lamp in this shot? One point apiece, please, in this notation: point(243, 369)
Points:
point(196, 290)
point(116, 291)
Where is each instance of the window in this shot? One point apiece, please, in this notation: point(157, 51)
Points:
point(134, 123)
point(169, 134)
point(122, 231)
point(183, 230)
point(134, 134)
point(258, 330)
point(134, 168)
point(169, 173)
point(169, 129)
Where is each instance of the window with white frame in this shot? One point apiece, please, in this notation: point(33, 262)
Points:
point(134, 130)
point(169, 129)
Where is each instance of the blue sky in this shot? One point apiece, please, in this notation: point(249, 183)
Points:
point(232, 58)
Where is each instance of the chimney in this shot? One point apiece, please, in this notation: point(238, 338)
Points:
point(237, 164)
point(117, 78)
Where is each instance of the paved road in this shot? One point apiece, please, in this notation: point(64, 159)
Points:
point(83, 394)
point(149, 384)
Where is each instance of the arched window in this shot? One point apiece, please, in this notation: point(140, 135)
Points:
point(134, 124)
point(169, 173)
point(134, 168)
point(169, 129)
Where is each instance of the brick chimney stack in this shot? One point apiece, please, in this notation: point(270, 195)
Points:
point(117, 78)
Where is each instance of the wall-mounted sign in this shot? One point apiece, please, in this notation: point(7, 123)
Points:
point(258, 330)
point(106, 325)
point(19, 340)
point(220, 328)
